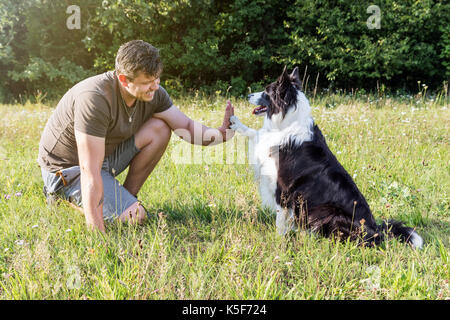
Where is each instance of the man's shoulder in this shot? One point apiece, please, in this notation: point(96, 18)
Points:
point(161, 102)
point(101, 84)
point(101, 87)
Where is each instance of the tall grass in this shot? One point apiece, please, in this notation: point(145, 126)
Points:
point(208, 237)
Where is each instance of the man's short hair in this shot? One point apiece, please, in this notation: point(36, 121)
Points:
point(138, 56)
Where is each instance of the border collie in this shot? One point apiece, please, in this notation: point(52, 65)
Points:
point(299, 177)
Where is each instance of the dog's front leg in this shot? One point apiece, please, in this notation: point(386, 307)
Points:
point(237, 125)
point(285, 220)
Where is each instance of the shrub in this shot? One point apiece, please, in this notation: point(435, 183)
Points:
point(213, 45)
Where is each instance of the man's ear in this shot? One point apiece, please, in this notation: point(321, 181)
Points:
point(123, 79)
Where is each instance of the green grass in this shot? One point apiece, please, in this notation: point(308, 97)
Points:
point(209, 238)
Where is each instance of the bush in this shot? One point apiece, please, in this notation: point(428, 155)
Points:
point(213, 45)
point(43, 54)
point(333, 38)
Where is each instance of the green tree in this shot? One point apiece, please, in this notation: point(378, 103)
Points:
point(333, 38)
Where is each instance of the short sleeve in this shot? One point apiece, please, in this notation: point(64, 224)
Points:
point(164, 102)
point(91, 114)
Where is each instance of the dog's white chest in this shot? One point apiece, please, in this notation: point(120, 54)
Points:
point(263, 161)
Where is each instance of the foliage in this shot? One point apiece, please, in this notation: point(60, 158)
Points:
point(229, 46)
point(43, 53)
point(11, 28)
point(333, 36)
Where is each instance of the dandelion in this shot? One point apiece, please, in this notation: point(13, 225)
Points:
point(20, 242)
point(18, 194)
point(7, 196)
point(68, 230)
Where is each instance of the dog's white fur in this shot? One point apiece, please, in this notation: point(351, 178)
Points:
point(296, 125)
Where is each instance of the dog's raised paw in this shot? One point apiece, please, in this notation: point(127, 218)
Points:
point(234, 119)
point(235, 123)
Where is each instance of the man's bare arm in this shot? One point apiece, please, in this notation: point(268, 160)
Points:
point(193, 131)
point(91, 152)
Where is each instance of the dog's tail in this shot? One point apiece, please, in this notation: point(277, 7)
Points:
point(404, 233)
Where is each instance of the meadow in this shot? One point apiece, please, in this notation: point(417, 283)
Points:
point(208, 237)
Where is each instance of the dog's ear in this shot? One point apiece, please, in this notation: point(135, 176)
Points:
point(295, 77)
point(284, 76)
point(295, 74)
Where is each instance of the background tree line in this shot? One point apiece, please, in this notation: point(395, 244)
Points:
point(212, 45)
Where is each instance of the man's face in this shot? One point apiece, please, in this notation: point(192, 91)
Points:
point(143, 87)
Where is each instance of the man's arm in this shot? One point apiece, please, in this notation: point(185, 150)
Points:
point(91, 152)
point(193, 131)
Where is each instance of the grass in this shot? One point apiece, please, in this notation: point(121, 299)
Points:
point(209, 238)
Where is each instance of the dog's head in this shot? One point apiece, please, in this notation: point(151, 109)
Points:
point(279, 96)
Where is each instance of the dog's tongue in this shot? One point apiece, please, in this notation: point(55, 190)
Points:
point(259, 110)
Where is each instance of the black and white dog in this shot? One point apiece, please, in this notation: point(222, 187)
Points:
point(300, 179)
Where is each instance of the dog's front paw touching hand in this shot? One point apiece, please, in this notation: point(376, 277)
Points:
point(236, 124)
point(234, 119)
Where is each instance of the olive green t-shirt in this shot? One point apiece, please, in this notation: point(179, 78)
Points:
point(95, 107)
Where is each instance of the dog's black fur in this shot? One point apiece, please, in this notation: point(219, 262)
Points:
point(313, 183)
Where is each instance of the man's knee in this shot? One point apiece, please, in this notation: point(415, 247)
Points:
point(154, 130)
point(160, 126)
point(134, 214)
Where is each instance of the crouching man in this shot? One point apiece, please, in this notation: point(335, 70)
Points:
point(111, 121)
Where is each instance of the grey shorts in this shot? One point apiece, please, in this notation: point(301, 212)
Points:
point(66, 182)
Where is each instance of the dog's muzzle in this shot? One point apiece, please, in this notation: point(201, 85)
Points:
point(261, 100)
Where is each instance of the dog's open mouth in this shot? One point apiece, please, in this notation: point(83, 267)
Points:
point(259, 110)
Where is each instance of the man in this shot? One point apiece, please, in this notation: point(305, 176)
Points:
point(109, 122)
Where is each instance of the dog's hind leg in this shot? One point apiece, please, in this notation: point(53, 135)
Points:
point(330, 220)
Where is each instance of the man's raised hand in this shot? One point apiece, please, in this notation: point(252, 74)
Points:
point(229, 111)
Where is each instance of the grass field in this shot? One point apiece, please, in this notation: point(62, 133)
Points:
point(209, 238)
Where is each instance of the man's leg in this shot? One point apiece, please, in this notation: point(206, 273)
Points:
point(152, 139)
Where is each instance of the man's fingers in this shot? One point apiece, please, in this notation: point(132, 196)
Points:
point(229, 106)
point(229, 111)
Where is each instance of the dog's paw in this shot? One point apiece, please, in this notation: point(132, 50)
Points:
point(236, 124)
point(234, 119)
